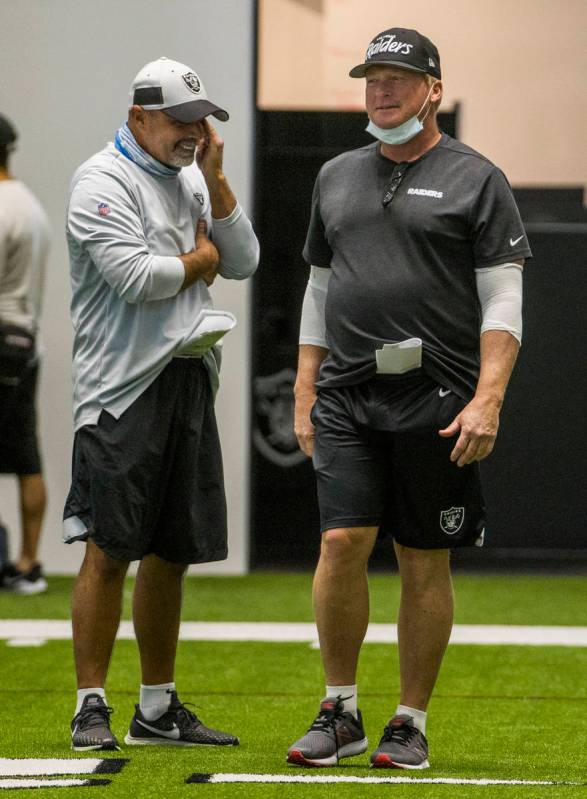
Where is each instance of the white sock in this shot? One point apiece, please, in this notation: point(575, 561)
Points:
point(155, 699)
point(83, 692)
point(419, 716)
point(348, 694)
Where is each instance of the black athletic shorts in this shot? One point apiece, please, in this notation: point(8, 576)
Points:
point(152, 480)
point(19, 448)
point(379, 462)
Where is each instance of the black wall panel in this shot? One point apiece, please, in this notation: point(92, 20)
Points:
point(536, 479)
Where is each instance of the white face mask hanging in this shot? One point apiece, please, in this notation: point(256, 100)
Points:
point(402, 133)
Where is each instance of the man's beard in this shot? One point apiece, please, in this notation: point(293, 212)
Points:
point(180, 157)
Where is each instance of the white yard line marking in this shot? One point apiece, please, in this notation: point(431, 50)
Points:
point(17, 784)
point(47, 767)
point(26, 642)
point(298, 632)
point(288, 778)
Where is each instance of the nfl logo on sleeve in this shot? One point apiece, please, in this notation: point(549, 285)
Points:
point(103, 209)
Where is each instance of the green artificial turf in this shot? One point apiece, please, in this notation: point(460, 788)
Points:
point(497, 712)
point(480, 599)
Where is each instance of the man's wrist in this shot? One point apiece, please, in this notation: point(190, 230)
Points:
point(305, 391)
point(214, 178)
point(488, 396)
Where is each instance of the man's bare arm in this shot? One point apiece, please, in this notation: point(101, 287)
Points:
point(478, 422)
point(202, 262)
point(309, 360)
point(209, 157)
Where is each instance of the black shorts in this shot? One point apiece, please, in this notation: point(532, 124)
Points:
point(151, 482)
point(19, 448)
point(379, 462)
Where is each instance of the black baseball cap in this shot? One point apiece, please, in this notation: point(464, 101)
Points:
point(400, 47)
point(8, 134)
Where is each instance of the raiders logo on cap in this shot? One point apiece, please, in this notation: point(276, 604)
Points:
point(401, 47)
point(192, 81)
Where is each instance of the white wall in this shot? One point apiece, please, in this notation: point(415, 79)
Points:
point(65, 69)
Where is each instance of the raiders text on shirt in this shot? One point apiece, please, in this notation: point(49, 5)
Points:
point(426, 192)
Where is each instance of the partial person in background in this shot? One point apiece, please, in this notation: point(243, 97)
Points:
point(24, 247)
point(410, 329)
point(149, 229)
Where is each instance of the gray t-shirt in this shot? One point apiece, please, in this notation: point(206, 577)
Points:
point(24, 247)
point(407, 269)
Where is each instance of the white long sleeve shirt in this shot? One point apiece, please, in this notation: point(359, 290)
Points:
point(125, 231)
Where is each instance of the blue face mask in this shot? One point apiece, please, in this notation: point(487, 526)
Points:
point(402, 133)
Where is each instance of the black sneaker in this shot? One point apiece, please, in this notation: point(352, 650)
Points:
point(9, 574)
point(402, 746)
point(333, 735)
point(90, 728)
point(177, 727)
point(29, 582)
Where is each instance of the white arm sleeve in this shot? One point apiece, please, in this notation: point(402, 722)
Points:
point(313, 323)
point(499, 289)
point(237, 245)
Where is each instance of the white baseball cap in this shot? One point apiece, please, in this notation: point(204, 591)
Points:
point(169, 86)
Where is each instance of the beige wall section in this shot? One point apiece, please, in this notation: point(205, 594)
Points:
point(518, 68)
point(65, 69)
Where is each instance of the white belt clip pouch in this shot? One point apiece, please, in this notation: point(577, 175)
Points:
point(403, 356)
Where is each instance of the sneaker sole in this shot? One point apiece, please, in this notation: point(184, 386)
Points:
point(30, 589)
point(101, 747)
point(297, 758)
point(130, 741)
point(384, 761)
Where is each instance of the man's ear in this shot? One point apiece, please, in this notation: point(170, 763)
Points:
point(436, 95)
point(137, 115)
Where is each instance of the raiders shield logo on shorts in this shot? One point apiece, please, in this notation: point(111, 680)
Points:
point(451, 520)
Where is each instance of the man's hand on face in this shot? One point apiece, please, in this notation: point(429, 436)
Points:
point(477, 424)
point(209, 153)
point(206, 249)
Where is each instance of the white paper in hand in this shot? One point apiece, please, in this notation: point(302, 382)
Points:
point(209, 327)
point(400, 357)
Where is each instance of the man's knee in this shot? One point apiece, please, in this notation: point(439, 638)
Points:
point(350, 546)
point(33, 493)
point(97, 562)
point(165, 568)
point(423, 565)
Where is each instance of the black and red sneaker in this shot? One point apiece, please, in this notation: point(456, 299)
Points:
point(334, 734)
point(402, 746)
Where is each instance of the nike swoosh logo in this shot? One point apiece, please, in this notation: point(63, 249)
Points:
point(172, 733)
point(513, 242)
point(442, 392)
